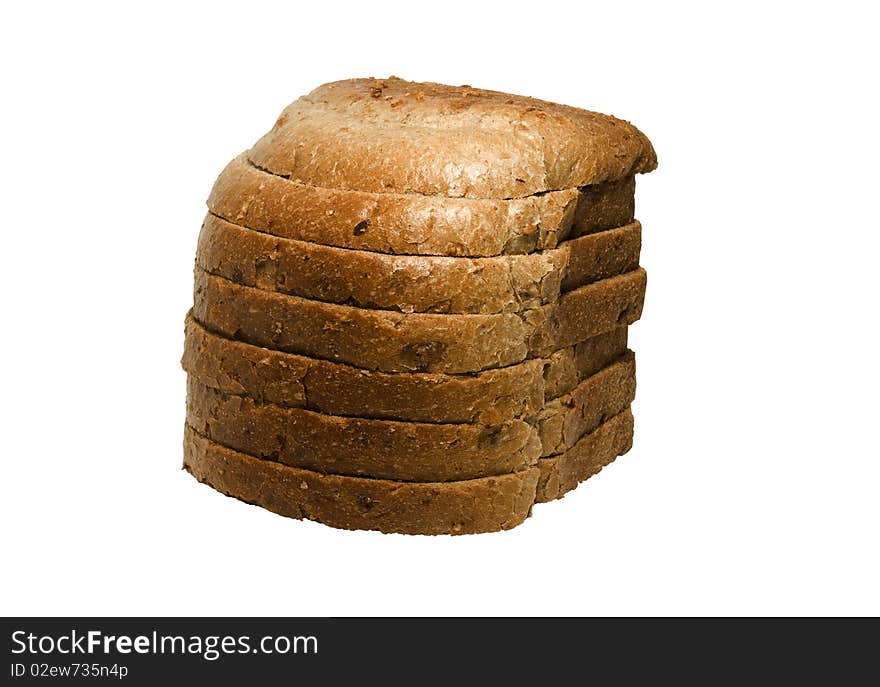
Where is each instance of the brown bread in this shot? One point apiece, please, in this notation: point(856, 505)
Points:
point(487, 504)
point(423, 342)
point(410, 308)
point(566, 368)
point(564, 420)
point(397, 136)
point(562, 473)
point(490, 397)
point(407, 451)
point(414, 224)
point(413, 283)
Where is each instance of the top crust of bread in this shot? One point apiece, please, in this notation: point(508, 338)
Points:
point(396, 136)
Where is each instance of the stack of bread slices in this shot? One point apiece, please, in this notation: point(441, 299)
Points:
point(411, 308)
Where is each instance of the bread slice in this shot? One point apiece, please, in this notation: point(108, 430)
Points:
point(487, 504)
point(423, 342)
point(392, 135)
point(416, 224)
point(562, 473)
point(407, 451)
point(430, 284)
point(489, 398)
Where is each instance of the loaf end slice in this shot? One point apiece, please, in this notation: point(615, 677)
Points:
point(397, 136)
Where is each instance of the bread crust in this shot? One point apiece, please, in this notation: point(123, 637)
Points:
point(487, 398)
point(566, 368)
point(417, 342)
point(392, 135)
point(414, 224)
point(429, 284)
point(564, 420)
point(390, 449)
point(562, 473)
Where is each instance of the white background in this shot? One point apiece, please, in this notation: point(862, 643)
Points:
point(753, 484)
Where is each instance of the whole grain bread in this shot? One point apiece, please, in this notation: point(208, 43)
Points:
point(562, 473)
point(431, 284)
point(387, 242)
point(424, 342)
point(416, 224)
point(487, 504)
point(489, 398)
point(397, 136)
point(407, 451)
point(564, 420)
point(566, 368)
